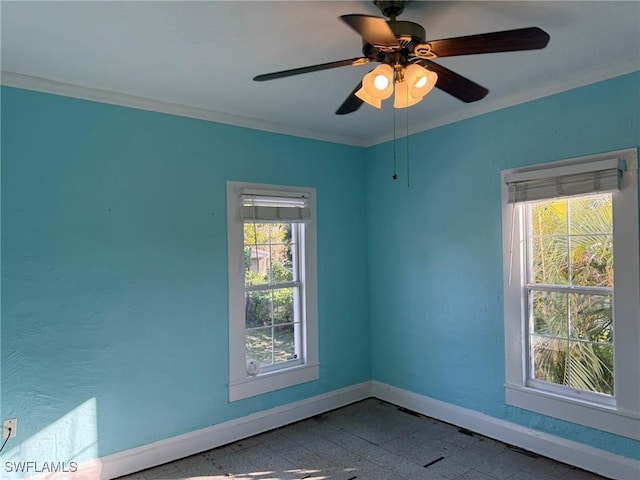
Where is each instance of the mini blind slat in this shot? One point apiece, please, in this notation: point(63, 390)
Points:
point(527, 189)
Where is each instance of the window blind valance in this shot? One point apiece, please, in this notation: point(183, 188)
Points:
point(274, 208)
point(565, 181)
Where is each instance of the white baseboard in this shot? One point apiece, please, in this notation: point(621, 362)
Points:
point(174, 448)
point(567, 451)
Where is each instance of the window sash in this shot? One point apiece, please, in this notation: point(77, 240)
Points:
point(529, 287)
point(553, 387)
point(542, 287)
point(296, 285)
point(271, 286)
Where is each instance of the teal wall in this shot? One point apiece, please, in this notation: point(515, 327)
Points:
point(435, 249)
point(114, 271)
point(114, 264)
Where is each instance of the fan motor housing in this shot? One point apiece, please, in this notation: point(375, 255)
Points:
point(409, 34)
point(390, 8)
point(402, 28)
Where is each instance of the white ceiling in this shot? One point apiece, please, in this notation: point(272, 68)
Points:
point(200, 57)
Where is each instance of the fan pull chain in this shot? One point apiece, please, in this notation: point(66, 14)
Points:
point(395, 165)
point(407, 147)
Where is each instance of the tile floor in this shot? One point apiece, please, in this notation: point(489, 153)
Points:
point(368, 440)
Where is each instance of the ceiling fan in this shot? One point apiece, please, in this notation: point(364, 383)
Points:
point(406, 59)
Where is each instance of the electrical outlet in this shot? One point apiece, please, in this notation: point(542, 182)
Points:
point(12, 424)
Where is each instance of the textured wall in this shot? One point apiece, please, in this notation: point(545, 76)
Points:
point(114, 271)
point(435, 249)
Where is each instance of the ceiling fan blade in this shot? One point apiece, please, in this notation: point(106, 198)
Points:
point(531, 38)
point(352, 103)
point(312, 68)
point(454, 84)
point(373, 30)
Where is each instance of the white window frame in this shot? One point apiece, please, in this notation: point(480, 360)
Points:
point(619, 414)
point(304, 369)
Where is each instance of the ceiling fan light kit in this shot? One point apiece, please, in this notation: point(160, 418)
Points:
point(410, 84)
point(405, 58)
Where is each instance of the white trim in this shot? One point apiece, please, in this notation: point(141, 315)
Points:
point(567, 451)
point(466, 111)
point(622, 415)
point(242, 385)
point(181, 446)
point(620, 422)
point(43, 85)
point(274, 380)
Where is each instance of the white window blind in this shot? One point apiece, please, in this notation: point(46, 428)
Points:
point(590, 177)
point(274, 209)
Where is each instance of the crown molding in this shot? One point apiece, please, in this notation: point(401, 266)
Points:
point(553, 87)
point(44, 85)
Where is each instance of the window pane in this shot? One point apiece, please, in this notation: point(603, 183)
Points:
point(571, 245)
point(549, 218)
point(271, 345)
point(592, 260)
point(283, 305)
point(281, 270)
point(549, 261)
point(256, 262)
point(549, 359)
point(270, 314)
point(591, 317)
point(284, 343)
point(591, 214)
point(258, 307)
point(259, 345)
point(281, 253)
point(268, 252)
point(549, 313)
point(592, 367)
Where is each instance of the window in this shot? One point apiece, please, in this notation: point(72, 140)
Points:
point(272, 288)
point(571, 290)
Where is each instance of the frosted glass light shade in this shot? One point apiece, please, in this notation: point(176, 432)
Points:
point(376, 85)
point(365, 97)
point(418, 81)
point(403, 98)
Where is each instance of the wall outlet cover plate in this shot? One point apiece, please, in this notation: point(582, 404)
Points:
point(12, 424)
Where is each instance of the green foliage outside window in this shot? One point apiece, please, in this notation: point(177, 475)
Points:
point(571, 334)
point(269, 312)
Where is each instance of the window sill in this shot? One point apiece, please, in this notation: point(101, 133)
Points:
point(275, 380)
point(602, 417)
